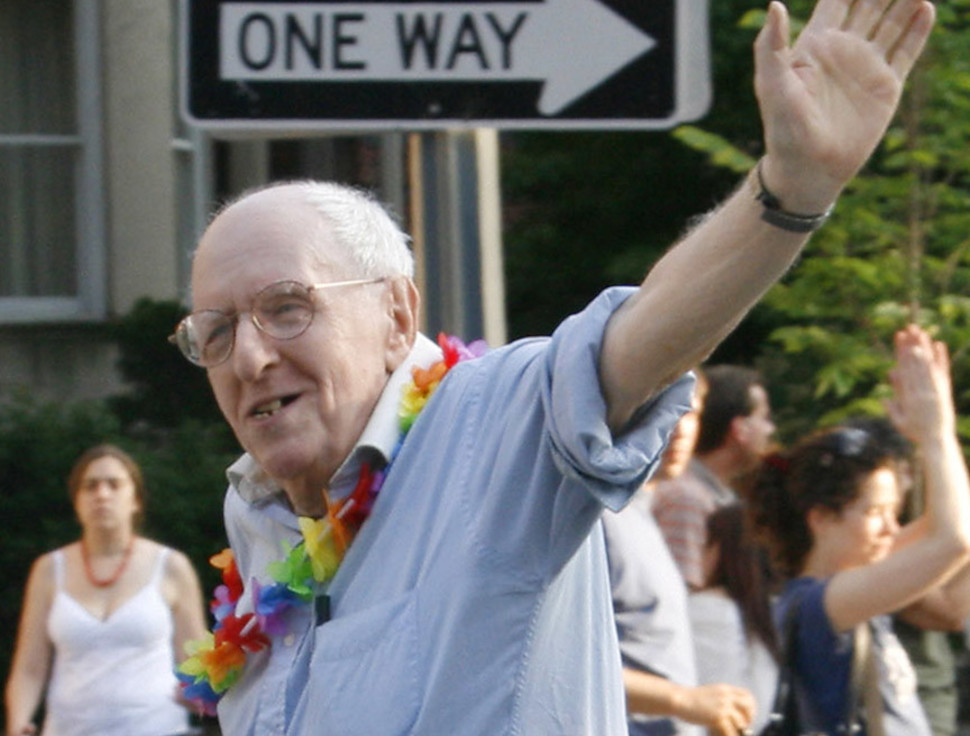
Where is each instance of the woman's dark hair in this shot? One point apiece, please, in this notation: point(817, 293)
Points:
point(107, 450)
point(742, 571)
point(824, 470)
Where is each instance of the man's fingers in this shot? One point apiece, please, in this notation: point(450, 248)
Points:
point(903, 32)
point(774, 35)
point(864, 16)
point(770, 47)
point(828, 14)
point(746, 705)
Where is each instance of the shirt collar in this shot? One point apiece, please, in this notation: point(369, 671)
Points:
point(380, 435)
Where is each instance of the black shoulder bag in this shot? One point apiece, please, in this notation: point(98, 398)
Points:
point(785, 719)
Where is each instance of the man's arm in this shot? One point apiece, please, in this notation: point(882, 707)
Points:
point(825, 103)
point(724, 709)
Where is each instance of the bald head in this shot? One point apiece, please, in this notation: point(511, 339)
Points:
point(325, 217)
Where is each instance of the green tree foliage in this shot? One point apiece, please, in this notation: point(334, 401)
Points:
point(896, 249)
point(164, 389)
point(588, 210)
point(580, 221)
point(183, 457)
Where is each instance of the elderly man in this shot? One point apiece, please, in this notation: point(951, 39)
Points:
point(475, 597)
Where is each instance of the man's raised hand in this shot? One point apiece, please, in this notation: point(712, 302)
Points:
point(827, 100)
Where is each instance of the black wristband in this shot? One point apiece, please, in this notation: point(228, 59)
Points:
point(775, 214)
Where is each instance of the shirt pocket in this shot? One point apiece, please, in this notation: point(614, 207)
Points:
point(364, 672)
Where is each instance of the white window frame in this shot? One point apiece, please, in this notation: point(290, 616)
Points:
point(90, 301)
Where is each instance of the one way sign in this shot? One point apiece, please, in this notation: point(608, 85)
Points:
point(444, 63)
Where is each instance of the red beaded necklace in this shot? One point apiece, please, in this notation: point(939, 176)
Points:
point(109, 581)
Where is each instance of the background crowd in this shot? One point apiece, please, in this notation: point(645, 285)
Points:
point(693, 585)
point(827, 507)
point(788, 554)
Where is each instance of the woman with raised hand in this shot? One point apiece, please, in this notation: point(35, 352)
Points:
point(828, 508)
point(104, 618)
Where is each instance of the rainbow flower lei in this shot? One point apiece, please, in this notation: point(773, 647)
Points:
point(215, 662)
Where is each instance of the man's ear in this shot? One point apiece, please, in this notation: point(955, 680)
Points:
point(403, 305)
point(738, 430)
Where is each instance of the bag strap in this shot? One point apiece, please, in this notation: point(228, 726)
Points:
point(784, 705)
point(865, 680)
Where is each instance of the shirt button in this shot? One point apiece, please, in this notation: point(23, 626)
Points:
point(288, 640)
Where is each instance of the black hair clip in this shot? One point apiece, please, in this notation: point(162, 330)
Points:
point(849, 441)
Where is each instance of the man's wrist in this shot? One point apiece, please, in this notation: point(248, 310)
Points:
point(774, 211)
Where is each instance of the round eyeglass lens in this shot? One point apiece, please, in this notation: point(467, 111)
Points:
point(207, 337)
point(183, 339)
point(283, 310)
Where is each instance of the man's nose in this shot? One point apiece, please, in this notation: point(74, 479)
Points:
point(253, 351)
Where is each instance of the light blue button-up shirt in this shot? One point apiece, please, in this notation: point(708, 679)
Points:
point(475, 599)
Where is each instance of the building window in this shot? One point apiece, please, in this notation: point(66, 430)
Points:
point(51, 212)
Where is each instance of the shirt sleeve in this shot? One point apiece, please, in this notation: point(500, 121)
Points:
point(529, 444)
point(584, 448)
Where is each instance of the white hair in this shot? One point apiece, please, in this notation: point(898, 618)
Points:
point(360, 224)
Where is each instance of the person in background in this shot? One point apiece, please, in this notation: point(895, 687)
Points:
point(448, 574)
point(730, 617)
point(650, 607)
point(105, 618)
point(735, 433)
point(828, 508)
point(926, 635)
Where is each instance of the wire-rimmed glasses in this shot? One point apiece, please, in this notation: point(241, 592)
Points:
point(283, 310)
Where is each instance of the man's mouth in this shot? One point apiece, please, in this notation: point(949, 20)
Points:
point(271, 407)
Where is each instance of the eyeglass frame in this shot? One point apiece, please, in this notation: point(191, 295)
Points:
point(181, 327)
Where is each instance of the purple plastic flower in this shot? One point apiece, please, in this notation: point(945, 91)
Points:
point(222, 604)
point(271, 602)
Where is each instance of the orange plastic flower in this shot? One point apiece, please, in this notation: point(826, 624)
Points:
point(223, 665)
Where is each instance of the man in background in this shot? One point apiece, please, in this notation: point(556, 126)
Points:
point(735, 433)
point(652, 620)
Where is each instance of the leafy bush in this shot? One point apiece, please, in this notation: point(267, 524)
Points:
point(164, 389)
point(168, 422)
point(39, 442)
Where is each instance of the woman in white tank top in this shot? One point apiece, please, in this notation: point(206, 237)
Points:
point(105, 618)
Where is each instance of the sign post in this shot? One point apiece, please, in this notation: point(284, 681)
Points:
point(449, 72)
point(438, 64)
